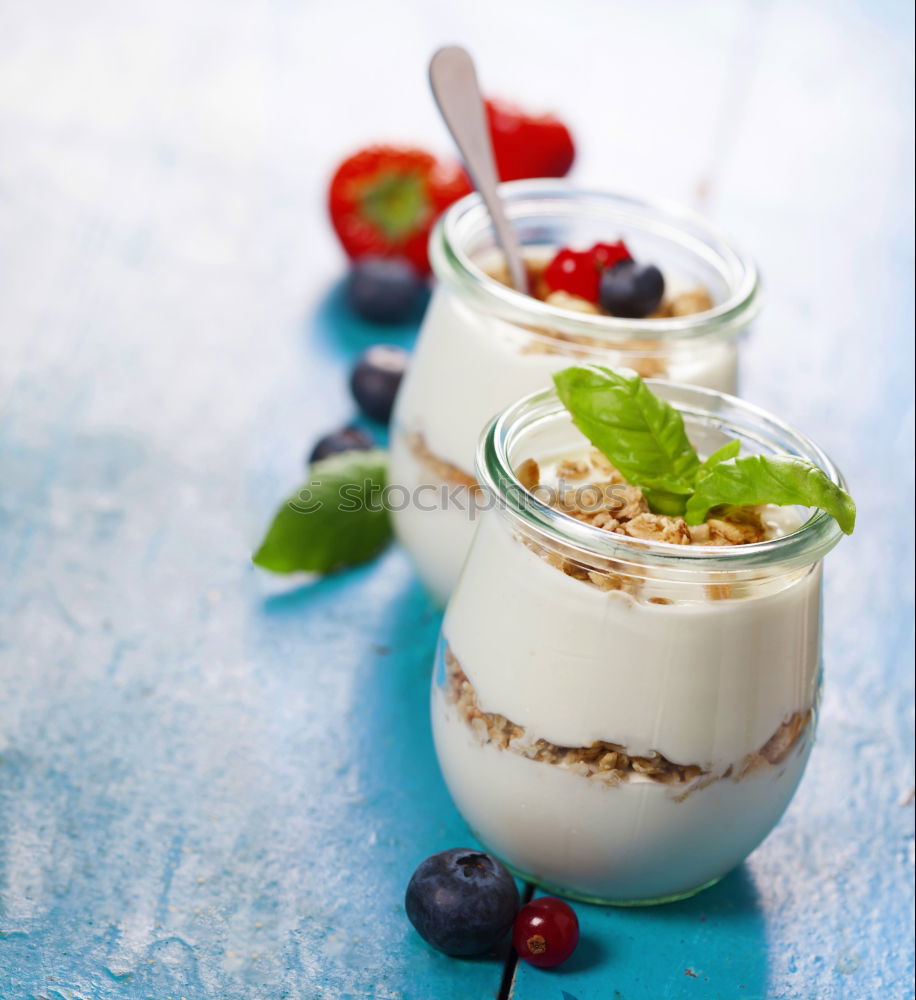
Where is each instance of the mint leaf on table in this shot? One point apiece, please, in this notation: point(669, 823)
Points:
point(336, 519)
point(761, 479)
point(642, 435)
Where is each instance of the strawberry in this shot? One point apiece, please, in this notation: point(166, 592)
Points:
point(528, 145)
point(384, 200)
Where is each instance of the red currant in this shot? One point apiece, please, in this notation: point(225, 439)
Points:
point(546, 932)
point(610, 254)
point(578, 272)
point(574, 272)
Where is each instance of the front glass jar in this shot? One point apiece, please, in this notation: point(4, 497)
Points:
point(622, 720)
point(484, 345)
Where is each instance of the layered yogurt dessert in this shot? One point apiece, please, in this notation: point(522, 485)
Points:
point(624, 702)
point(484, 344)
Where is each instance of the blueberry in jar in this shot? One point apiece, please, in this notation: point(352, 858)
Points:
point(631, 290)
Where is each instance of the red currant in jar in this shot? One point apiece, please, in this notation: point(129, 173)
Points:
point(608, 255)
point(578, 272)
point(573, 272)
point(546, 932)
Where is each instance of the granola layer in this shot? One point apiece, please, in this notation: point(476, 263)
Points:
point(604, 761)
point(591, 490)
point(443, 470)
point(605, 500)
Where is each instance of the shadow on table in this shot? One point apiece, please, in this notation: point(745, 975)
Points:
point(712, 945)
point(333, 328)
point(296, 596)
point(348, 662)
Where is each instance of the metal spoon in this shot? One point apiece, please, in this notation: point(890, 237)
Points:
point(454, 84)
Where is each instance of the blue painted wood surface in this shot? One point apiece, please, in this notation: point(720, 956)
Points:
point(212, 786)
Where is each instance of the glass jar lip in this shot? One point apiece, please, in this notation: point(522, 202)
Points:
point(803, 547)
point(453, 265)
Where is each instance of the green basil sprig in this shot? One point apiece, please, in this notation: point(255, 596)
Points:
point(759, 479)
point(641, 434)
point(644, 437)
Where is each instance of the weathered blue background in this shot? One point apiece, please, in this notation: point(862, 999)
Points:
point(212, 789)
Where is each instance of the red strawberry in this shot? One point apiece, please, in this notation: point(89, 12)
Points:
point(384, 200)
point(528, 145)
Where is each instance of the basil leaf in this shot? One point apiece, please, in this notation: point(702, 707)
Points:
point(780, 480)
point(640, 433)
point(336, 519)
point(720, 455)
point(673, 504)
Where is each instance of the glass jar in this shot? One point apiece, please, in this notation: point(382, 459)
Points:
point(483, 345)
point(620, 720)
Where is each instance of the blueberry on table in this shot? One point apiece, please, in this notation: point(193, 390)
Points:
point(344, 439)
point(383, 289)
point(462, 901)
point(631, 290)
point(375, 379)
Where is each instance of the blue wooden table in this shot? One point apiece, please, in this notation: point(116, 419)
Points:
point(214, 786)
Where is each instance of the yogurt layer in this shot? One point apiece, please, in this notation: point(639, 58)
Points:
point(702, 682)
point(437, 526)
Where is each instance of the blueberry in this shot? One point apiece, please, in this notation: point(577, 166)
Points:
point(462, 901)
point(345, 439)
point(375, 379)
point(384, 289)
point(631, 290)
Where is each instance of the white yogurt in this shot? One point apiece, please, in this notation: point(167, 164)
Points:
point(437, 535)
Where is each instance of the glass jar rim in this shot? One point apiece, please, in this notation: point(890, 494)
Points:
point(454, 265)
point(803, 547)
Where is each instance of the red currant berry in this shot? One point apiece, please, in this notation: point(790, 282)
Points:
point(610, 254)
point(578, 272)
point(573, 272)
point(546, 932)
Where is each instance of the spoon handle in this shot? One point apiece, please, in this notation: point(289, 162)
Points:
point(454, 85)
